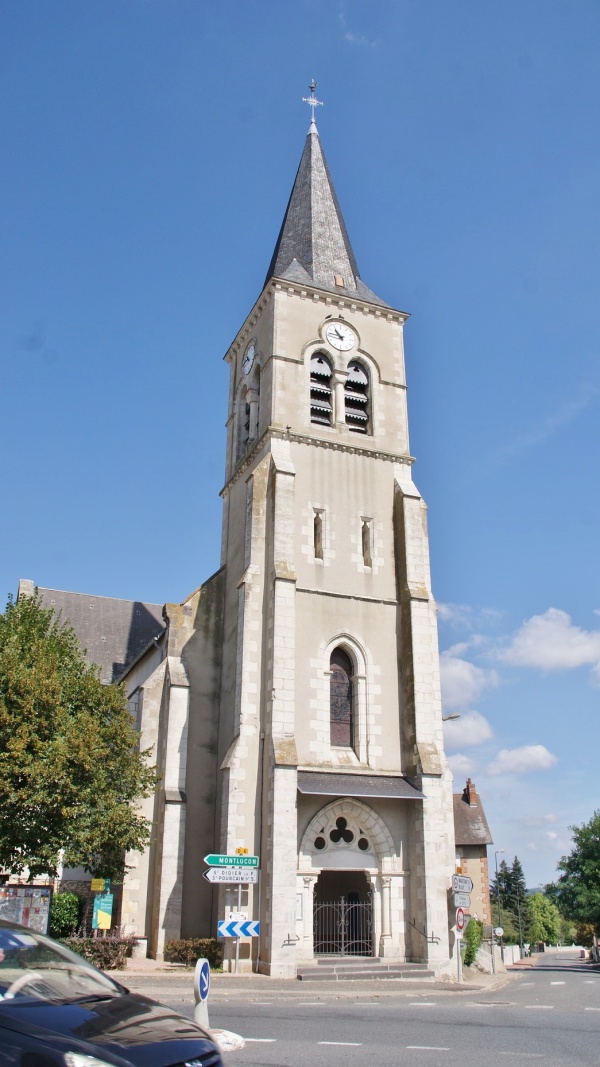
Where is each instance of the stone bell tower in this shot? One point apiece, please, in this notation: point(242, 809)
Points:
point(330, 749)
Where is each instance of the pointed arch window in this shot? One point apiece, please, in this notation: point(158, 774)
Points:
point(356, 397)
point(340, 699)
point(321, 406)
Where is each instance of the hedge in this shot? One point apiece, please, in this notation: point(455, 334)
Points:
point(194, 948)
point(108, 953)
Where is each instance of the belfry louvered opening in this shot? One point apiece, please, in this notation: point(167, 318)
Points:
point(321, 407)
point(356, 397)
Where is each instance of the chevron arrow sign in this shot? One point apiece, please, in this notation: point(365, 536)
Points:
point(238, 929)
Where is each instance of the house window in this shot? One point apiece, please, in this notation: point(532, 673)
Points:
point(321, 406)
point(340, 698)
point(357, 398)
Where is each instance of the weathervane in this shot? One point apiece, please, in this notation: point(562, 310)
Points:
point(312, 100)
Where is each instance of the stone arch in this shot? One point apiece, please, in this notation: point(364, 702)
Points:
point(360, 817)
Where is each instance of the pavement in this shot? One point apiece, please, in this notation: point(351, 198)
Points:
point(171, 976)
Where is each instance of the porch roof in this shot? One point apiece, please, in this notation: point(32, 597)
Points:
point(326, 783)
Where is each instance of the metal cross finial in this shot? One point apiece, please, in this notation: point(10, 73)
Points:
point(312, 100)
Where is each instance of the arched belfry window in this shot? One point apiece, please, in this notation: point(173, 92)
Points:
point(340, 698)
point(321, 406)
point(356, 397)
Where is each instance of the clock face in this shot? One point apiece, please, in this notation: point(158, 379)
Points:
point(340, 336)
point(248, 359)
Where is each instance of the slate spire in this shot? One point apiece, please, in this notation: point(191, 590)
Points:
point(313, 244)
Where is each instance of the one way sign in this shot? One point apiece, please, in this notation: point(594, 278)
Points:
point(238, 929)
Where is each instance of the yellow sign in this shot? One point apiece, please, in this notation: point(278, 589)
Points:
point(241, 851)
point(103, 920)
point(98, 885)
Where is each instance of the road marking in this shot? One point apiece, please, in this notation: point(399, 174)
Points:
point(340, 1043)
point(540, 1007)
point(422, 1004)
point(528, 1055)
point(527, 985)
point(312, 1004)
point(431, 1048)
point(557, 983)
point(261, 1040)
point(589, 981)
point(592, 1009)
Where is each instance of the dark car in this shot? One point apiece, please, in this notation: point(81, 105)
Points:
point(57, 1010)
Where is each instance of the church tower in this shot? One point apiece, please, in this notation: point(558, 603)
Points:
point(330, 745)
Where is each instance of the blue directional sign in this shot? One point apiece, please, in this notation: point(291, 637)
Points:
point(201, 981)
point(238, 929)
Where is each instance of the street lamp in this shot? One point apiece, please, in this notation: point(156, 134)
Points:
point(499, 853)
point(450, 718)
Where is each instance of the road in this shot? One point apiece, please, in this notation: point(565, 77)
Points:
point(550, 1013)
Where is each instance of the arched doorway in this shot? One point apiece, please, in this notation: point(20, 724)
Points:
point(343, 914)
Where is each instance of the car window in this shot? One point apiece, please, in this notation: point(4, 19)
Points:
point(32, 966)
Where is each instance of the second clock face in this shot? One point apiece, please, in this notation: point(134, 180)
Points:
point(340, 336)
point(248, 359)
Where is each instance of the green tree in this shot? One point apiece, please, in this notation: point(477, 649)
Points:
point(544, 920)
point(70, 766)
point(577, 890)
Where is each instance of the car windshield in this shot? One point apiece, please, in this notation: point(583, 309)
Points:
point(33, 967)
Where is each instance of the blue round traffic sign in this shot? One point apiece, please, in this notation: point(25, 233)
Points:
point(201, 980)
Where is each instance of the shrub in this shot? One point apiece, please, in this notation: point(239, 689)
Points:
point(194, 948)
point(108, 953)
point(473, 938)
point(64, 914)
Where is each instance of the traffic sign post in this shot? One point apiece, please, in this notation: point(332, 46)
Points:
point(201, 988)
point(234, 927)
point(462, 900)
point(461, 883)
point(232, 875)
point(214, 860)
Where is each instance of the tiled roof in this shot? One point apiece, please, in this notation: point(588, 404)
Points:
point(470, 824)
point(113, 632)
point(313, 244)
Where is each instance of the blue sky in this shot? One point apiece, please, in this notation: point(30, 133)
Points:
point(149, 150)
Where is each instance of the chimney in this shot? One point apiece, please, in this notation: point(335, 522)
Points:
point(26, 588)
point(470, 794)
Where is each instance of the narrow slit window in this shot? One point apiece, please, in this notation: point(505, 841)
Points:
point(321, 395)
point(356, 397)
point(318, 534)
point(366, 534)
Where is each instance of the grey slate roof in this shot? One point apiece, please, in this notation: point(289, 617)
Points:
point(357, 785)
point(313, 244)
point(113, 632)
point(470, 824)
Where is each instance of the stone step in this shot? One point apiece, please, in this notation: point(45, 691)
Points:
point(343, 971)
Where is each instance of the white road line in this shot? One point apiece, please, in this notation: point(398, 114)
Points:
point(527, 985)
point(431, 1048)
point(312, 1004)
point(357, 1043)
point(422, 1004)
point(557, 983)
point(592, 1009)
point(261, 1040)
point(528, 1055)
point(589, 981)
point(540, 1007)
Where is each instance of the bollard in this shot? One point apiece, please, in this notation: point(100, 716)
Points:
point(201, 988)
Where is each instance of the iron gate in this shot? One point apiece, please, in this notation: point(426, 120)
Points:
point(343, 928)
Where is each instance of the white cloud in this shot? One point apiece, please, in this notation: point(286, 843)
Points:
point(460, 765)
point(551, 642)
point(522, 760)
point(471, 729)
point(551, 835)
point(455, 614)
point(462, 681)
